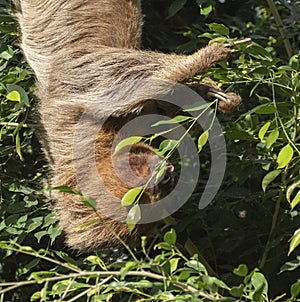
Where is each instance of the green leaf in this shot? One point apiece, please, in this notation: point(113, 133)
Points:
point(270, 177)
point(14, 96)
point(272, 138)
point(202, 140)
point(18, 146)
point(173, 265)
point(259, 281)
point(205, 10)
point(130, 197)
point(241, 271)
point(285, 156)
point(23, 97)
point(295, 290)
point(129, 266)
point(133, 217)
point(237, 291)
point(96, 260)
point(127, 142)
point(196, 265)
point(196, 107)
point(296, 200)
point(170, 237)
point(89, 202)
point(259, 52)
point(290, 265)
point(295, 241)
point(159, 170)
point(176, 6)
point(220, 29)
point(177, 119)
point(263, 130)
point(167, 145)
point(64, 189)
point(265, 109)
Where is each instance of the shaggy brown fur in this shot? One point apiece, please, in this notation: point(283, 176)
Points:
point(78, 49)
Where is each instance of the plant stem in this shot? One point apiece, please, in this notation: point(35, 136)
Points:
point(282, 31)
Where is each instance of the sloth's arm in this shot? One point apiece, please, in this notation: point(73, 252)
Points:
point(85, 71)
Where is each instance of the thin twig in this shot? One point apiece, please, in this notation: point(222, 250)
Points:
point(282, 31)
point(109, 274)
point(8, 124)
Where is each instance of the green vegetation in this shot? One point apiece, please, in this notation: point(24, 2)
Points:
point(243, 246)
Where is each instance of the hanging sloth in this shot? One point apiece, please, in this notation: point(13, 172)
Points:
point(78, 49)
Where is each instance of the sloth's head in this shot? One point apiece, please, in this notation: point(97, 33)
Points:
point(141, 166)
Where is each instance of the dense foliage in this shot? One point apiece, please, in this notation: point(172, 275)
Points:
point(243, 247)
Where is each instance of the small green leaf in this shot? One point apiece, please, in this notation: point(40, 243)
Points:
point(295, 241)
point(220, 29)
point(241, 271)
point(265, 109)
point(196, 265)
point(14, 96)
point(296, 200)
point(89, 202)
point(269, 178)
point(295, 290)
point(205, 10)
point(160, 169)
point(167, 145)
point(18, 145)
point(133, 217)
point(170, 237)
point(196, 107)
point(127, 142)
point(173, 265)
point(64, 189)
point(285, 156)
point(259, 52)
point(85, 225)
point(23, 96)
point(263, 130)
point(130, 197)
point(259, 281)
point(129, 266)
point(96, 260)
point(272, 138)
point(202, 140)
point(177, 119)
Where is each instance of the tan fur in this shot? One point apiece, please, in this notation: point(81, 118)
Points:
point(78, 49)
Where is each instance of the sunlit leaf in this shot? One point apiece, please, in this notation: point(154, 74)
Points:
point(241, 271)
point(263, 130)
point(295, 241)
point(127, 142)
point(285, 156)
point(18, 145)
point(270, 177)
point(130, 197)
point(14, 96)
point(176, 120)
point(220, 29)
point(296, 200)
point(174, 264)
point(133, 217)
point(202, 140)
point(272, 138)
point(89, 202)
point(170, 237)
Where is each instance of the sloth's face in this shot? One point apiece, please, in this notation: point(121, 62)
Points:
point(141, 166)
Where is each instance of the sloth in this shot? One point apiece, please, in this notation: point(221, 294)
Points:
point(78, 50)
